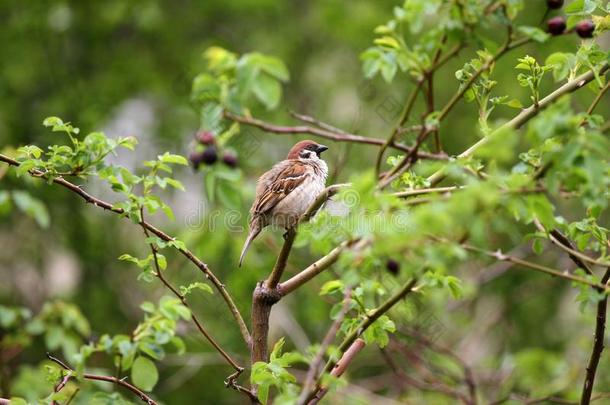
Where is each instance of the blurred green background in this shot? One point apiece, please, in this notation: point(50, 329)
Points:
point(126, 67)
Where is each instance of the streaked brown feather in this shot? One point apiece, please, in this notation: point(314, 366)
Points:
point(291, 176)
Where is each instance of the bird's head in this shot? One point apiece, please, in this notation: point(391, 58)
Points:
point(306, 150)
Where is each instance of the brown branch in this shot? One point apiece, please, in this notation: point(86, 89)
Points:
point(498, 255)
point(524, 116)
point(598, 344)
point(184, 251)
point(404, 116)
point(324, 133)
point(145, 398)
point(239, 369)
point(268, 293)
point(561, 241)
point(311, 120)
point(313, 270)
point(340, 367)
point(598, 98)
point(280, 263)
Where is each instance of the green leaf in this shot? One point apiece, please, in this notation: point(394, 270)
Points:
point(197, 285)
point(574, 7)
point(52, 122)
point(534, 33)
point(147, 306)
point(205, 88)
point(270, 65)
point(32, 207)
point(174, 159)
point(514, 103)
point(144, 373)
point(162, 261)
point(267, 90)
point(174, 183)
point(331, 287)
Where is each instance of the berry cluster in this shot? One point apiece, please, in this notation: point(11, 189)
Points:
point(557, 25)
point(208, 155)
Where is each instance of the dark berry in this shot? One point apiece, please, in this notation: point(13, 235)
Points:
point(556, 25)
point(195, 158)
point(230, 159)
point(209, 156)
point(585, 29)
point(554, 4)
point(206, 137)
point(392, 266)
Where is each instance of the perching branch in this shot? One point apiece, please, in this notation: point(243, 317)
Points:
point(268, 293)
point(151, 228)
point(145, 398)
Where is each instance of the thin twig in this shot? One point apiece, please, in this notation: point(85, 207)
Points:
point(498, 255)
point(598, 98)
point(335, 136)
point(184, 251)
point(313, 270)
point(113, 380)
point(340, 367)
point(563, 243)
point(524, 116)
point(598, 344)
point(182, 298)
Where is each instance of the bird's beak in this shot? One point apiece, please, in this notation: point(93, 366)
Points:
point(320, 149)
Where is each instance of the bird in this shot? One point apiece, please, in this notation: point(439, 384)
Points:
point(284, 193)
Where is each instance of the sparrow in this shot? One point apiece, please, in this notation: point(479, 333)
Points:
point(285, 192)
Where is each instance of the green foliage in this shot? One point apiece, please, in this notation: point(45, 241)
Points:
point(274, 374)
point(553, 170)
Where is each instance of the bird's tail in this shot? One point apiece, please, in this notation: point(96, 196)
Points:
point(254, 231)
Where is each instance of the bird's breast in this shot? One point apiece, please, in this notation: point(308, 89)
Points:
point(287, 212)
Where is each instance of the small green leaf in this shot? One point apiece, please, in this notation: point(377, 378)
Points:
point(331, 287)
point(185, 290)
point(267, 90)
point(144, 373)
point(175, 159)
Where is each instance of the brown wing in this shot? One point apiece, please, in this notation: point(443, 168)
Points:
point(276, 184)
